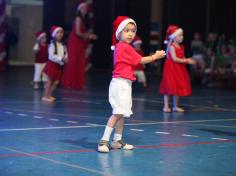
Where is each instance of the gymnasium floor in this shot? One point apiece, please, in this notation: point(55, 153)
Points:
point(41, 139)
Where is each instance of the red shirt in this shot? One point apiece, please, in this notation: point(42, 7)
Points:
point(42, 55)
point(125, 61)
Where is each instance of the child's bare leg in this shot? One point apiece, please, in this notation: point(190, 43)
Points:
point(54, 86)
point(166, 104)
point(176, 104)
point(47, 93)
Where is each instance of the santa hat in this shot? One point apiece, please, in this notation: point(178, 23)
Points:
point(172, 32)
point(137, 40)
point(39, 35)
point(54, 30)
point(118, 25)
point(82, 4)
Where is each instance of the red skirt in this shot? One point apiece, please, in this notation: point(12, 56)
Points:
point(53, 70)
point(175, 80)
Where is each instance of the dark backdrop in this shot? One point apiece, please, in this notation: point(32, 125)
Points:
point(192, 15)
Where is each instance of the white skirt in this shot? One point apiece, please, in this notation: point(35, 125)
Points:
point(120, 96)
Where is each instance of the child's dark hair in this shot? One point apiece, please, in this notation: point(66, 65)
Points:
point(55, 46)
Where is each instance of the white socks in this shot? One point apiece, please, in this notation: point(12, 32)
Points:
point(117, 137)
point(107, 133)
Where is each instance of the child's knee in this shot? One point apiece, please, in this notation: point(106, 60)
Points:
point(56, 82)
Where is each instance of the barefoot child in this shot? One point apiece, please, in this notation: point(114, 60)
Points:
point(57, 58)
point(175, 81)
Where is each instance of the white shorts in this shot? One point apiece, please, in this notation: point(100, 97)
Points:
point(38, 72)
point(120, 96)
point(140, 76)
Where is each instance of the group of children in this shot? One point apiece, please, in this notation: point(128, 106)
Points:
point(54, 64)
point(49, 61)
point(129, 60)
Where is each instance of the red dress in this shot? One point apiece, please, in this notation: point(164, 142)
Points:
point(74, 71)
point(175, 79)
point(54, 65)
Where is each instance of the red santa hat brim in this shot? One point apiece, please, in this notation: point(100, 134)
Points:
point(54, 32)
point(177, 32)
point(82, 5)
point(122, 26)
point(41, 35)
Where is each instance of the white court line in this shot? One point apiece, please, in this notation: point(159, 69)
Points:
point(187, 105)
point(222, 139)
point(92, 124)
point(22, 115)
point(71, 122)
point(161, 132)
point(136, 130)
point(56, 120)
point(75, 166)
point(38, 117)
point(189, 135)
point(8, 112)
point(131, 124)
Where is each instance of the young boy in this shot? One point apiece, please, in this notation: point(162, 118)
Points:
point(125, 61)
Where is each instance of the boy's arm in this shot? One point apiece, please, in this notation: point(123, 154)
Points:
point(156, 56)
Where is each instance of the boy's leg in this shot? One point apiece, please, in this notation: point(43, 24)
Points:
point(103, 145)
point(117, 140)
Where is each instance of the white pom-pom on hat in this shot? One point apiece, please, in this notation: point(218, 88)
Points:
point(112, 47)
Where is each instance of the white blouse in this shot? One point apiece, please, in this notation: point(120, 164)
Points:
point(61, 53)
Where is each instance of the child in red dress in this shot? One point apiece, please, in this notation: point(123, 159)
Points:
point(139, 69)
point(120, 94)
point(57, 58)
point(175, 81)
point(41, 56)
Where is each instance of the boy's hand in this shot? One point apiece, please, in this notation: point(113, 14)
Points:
point(159, 54)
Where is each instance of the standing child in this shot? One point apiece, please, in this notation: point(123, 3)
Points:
point(120, 98)
point(175, 81)
point(41, 56)
point(139, 69)
point(57, 58)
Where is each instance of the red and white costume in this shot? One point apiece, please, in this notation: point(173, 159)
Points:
point(56, 51)
point(175, 79)
point(125, 61)
point(41, 57)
